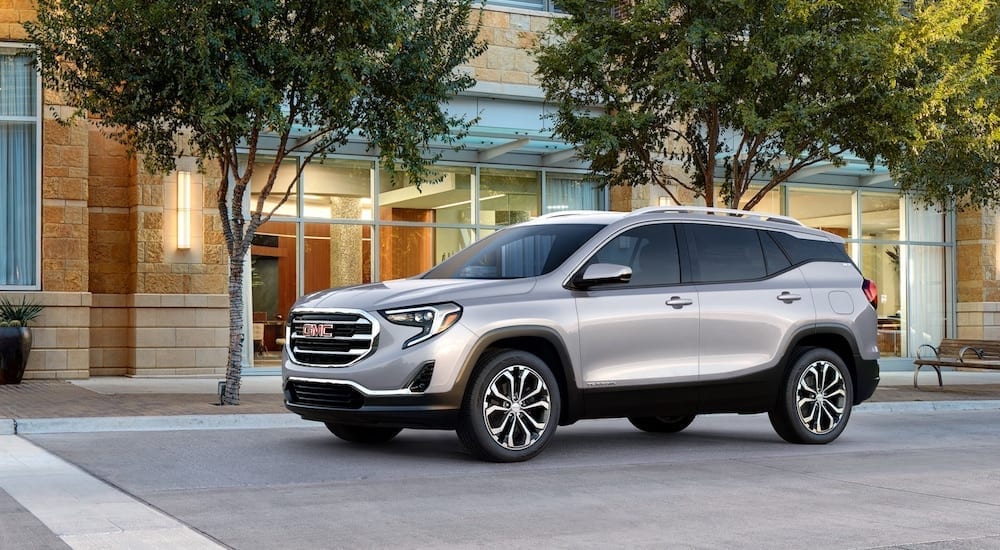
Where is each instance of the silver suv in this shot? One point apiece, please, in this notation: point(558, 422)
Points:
point(656, 315)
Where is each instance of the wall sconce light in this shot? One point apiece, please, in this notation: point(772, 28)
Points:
point(183, 210)
point(366, 208)
point(663, 201)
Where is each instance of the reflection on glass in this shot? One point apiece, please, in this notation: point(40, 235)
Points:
point(826, 209)
point(927, 291)
point(507, 197)
point(448, 200)
point(273, 275)
point(880, 216)
point(572, 192)
point(881, 263)
point(337, 189)
point(284, 177)
point(336, 255)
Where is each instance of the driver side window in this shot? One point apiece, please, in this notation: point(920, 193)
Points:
point(651, 252)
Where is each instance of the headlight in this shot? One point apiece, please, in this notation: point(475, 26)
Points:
point(431, 320)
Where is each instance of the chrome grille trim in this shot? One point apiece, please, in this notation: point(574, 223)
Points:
point(346, 337)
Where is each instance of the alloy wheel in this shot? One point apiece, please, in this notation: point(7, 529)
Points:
point(821, 397)
point(516, 407)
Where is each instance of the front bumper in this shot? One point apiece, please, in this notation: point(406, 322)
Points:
point(349, 403)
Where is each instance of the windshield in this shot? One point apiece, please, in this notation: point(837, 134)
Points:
point(516, 252)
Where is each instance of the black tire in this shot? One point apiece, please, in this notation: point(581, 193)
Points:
point(816, 399)
point(661, 424)
point(511, 409)
point(369, 435)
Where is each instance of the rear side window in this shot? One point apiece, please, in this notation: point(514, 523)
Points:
point(773, 256)
point(723, 253)
point(800, 251)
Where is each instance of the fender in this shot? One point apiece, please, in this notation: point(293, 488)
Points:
point(571, 403)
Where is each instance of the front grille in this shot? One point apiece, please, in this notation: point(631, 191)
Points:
point(334, 338)
point(320, 394)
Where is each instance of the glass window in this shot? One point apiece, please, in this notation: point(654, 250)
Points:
point(285, 176)
point(880, 216)
point(336, 255)
point(19, 246)
point(651, 252)
point(273, 286)
point(337, 189)
point(826, 209)
point(507, 197)
point(722, 253)
point(773, 256)
point(927, 291)
point(572, 192)
point(448, 200)
point(881, 263)
point(526, 251)
point(801, 250)
point(925, 225)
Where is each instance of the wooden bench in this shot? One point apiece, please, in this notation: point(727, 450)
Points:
point(973, 354)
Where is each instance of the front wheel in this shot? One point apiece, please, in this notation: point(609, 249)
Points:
point(512, 408)
point(369, 435)
point(816, 399)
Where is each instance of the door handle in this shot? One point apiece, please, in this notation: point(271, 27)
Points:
point(788, 297)
point(678, 302)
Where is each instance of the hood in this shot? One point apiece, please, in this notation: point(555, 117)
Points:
point(414, 292)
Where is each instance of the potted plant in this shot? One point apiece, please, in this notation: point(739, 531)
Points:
point(15, 337)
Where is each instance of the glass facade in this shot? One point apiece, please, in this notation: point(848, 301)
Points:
point(348, 222)
point(19, 169)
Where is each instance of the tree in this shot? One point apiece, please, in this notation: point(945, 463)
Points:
point(214, 79)
point(752, 90)
point(955, 160)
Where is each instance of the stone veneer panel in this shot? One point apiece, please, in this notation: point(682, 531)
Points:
point(60, 335)
point(65, 220)
point(178, 334)
point(510, 34)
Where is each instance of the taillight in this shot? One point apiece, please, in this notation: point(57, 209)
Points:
point(871, 292)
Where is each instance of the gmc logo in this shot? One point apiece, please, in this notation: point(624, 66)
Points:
point(318, 330)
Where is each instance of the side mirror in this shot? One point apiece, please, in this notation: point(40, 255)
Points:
point(602, 274)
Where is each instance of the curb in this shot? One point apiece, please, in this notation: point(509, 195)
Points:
point(27, 426)
point(928, 406)
point(24, 426)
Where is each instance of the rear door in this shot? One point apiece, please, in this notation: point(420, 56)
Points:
point(752, 300)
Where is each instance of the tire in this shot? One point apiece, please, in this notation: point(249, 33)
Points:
point(816, 399)
point(368, 435)
point(661, 424)
point(512, 408)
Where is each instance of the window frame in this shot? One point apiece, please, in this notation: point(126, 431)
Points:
point(37, 120)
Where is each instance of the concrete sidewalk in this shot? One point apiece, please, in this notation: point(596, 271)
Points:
point(166, 403)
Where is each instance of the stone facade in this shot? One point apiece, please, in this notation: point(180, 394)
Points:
point(976, 272)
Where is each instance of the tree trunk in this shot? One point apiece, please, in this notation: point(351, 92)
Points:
point(231, 392)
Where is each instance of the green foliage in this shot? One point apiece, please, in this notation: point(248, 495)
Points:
point(734, 91)
point(226, 79)
point(19, 314)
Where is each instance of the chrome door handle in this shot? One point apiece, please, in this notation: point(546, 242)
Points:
point(678, 302)
point(788, 297)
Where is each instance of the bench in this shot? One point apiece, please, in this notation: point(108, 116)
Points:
point(974, 354)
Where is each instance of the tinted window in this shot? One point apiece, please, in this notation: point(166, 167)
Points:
point(723, 253)
point(773, 256)
point(522, 251)
point(810, 250)
point(651, 252)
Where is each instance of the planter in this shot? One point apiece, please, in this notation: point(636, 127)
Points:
point(15, 345)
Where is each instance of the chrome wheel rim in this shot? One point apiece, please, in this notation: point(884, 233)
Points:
point(516, 407)
point(821, 397)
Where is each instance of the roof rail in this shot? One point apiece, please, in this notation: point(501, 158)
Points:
point(561, 213)
point(721, 211)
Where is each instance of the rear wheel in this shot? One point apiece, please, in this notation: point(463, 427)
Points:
point(362, 434)
point(815, 402)
point(661, 424)
point(512, 408)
